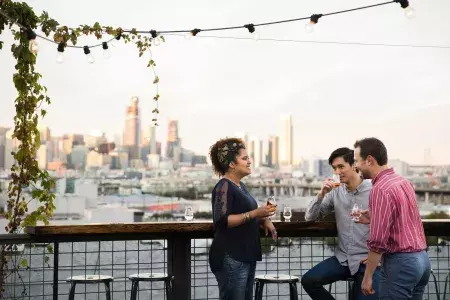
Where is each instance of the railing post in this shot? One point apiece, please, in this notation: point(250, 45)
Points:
point(55, 270)
point(179, 265)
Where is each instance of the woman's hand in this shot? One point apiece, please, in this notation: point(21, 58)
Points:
point(268, 227)
point(263, 212)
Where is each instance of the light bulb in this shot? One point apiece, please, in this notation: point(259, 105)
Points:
point(157, 41)
point(90, 58)
point(106, 53)
point(309, 27)
point(410, 12)
point(33, 47)
point(60, 57)
point(115, 41)
point(255, 36)
point(192, 33)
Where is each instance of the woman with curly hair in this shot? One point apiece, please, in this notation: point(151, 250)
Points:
point(236, 246)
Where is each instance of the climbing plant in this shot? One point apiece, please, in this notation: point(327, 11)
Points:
point(22, 21)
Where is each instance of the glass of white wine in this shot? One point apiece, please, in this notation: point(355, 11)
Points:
point(189, 214)
point(287, 213)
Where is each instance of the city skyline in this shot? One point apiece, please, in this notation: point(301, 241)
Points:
point(335, 93)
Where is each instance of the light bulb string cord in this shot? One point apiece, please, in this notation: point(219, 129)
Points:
point(268, 23)
point(203, 30)
point(318, 42)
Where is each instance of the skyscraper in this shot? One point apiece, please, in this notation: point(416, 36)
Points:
point(255, 151)
point(45, 133)
point(149, 139)
point(131, 134)
point(173, 141)
point(273, 152)
point(286, 140)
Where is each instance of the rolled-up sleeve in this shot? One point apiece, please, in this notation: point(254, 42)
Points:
point(222, 204)
point(318, 209)
point(382, 217)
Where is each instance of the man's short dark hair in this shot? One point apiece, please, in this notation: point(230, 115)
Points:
point(345, 153)
point(373, 147)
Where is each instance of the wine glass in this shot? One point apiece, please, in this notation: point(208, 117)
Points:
point(356, 212)
point(336, 180)
point(271, 201)
point(287, 213)
point(188, 214)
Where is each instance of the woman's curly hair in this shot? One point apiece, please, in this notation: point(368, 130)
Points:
point(223, 152)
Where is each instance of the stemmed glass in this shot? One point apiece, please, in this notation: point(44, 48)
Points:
point(188, 214)
point(356, 212)
point(287, 213)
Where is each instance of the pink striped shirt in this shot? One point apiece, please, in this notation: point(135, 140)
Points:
point(395, 223)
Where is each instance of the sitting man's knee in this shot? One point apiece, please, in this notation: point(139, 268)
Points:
point(308, 280)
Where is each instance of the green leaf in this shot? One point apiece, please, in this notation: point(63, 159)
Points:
point(24, 263)
point(50, 248)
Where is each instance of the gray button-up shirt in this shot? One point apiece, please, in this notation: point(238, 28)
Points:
point(352, 237)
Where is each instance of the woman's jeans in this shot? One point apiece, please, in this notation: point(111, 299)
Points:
point(236, 279)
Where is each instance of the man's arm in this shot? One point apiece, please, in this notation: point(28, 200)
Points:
point(382, 215)
point(320, 206)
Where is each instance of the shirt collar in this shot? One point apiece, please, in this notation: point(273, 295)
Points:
point(361, 187)
point(382, 174)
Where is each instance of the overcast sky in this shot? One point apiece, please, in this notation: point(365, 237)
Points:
point(217, 87)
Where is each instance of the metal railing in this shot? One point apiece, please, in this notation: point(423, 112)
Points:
point(47, 256)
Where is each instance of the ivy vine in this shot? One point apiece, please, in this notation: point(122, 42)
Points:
point(31, 94)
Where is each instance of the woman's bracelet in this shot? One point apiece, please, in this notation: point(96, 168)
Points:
point(245, 217)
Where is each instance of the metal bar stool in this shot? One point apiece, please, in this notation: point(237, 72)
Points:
point(136, 278)
point(438, 295)
point(447, 280)
point(90, 279)
point(261, 280)
point(350, 286)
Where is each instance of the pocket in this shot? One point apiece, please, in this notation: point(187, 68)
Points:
point(405, 271)
point(232, 265)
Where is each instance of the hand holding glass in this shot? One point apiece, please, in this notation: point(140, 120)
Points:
point(336, 180)
point(271, 202)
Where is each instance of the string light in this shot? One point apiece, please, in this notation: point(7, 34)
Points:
point(251, 29)
point(192, 33)
point(156, 40)
point(60, 55)
point(409, 12)
point(32, 45)
point(106, 53)
point(89, 57)
point(155, 37)
point(309, 27)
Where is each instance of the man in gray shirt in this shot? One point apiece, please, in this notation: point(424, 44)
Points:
point(351, 252)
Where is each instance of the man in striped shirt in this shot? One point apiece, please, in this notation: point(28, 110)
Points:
point(396, 230)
